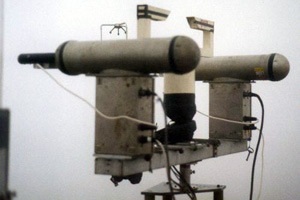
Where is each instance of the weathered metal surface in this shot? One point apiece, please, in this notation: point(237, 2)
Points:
point(185, 171)
point(179, 154)
point(226, 101)
point(251, 67)
point(178, 54)
point(120, 96)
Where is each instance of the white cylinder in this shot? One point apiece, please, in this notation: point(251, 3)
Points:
point(272, 67)
point(178, 54)
point(176, 84)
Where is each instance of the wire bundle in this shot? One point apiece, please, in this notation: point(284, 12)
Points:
point(186, 187)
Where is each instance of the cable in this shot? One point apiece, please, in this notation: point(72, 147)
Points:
point(181, 178)
point(259, 139)
point(93, 107)
point(166, 147)
point(227, 120)
point(164, 152)
point(262, 167)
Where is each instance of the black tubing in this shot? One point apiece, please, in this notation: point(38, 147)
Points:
point(37, 58)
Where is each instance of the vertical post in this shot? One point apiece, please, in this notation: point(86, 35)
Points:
point(208, 44)
point(145, 14)
point(218, 195)
point(149, 197)
point(167, 197)
point(185, 170)
point(208, 34)
point(144, 28)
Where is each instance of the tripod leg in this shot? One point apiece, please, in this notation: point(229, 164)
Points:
point(218, 195)
point(149, 197)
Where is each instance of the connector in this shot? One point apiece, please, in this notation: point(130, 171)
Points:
point(249, 119)
point(247, 94)
point(146, 127)
point(249, 127)
point(250, 94)
point(144, 139)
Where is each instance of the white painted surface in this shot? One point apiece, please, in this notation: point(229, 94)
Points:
point(52, 133)
point(178, 84)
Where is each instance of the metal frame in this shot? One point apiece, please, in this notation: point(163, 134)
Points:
point(179, 154)
point(162, 189)
point(123, 26)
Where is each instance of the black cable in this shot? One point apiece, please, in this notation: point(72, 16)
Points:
point(259, 139)
point(178, 175)
point(193, 197)
point(182, 179)
point(166, 147)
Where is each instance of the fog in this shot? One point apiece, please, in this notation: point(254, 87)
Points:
point(52, 133)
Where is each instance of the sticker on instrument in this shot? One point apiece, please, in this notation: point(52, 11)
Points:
point(260, 73)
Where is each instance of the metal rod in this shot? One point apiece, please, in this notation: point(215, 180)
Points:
point(185, 170)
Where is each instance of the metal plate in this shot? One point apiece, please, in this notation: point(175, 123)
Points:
point(226, 101)
point(164, 189)
point(119, 96)
point(178, 154)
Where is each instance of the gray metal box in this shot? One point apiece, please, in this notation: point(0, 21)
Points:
point(226, 101)
point(120, 96)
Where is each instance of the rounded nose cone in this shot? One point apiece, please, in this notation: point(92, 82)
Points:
point(184, 54)
point(281, 67)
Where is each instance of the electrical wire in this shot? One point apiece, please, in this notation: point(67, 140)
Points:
point(262, 167)
point(166, 147)
point(178, 175)
point(227, 120)
point(258, 141)
point(93, 107)
point(164, 152)
point(190, 191)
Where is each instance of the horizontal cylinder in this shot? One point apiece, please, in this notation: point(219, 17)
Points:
point(37, 58)
point(272, 67)
point(161, 55)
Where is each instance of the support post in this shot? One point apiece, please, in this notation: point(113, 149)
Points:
point(185, 170)
point(144, 28)
point(145, 14)
point(167, 197)
point(149, 197)
point(218, 195)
